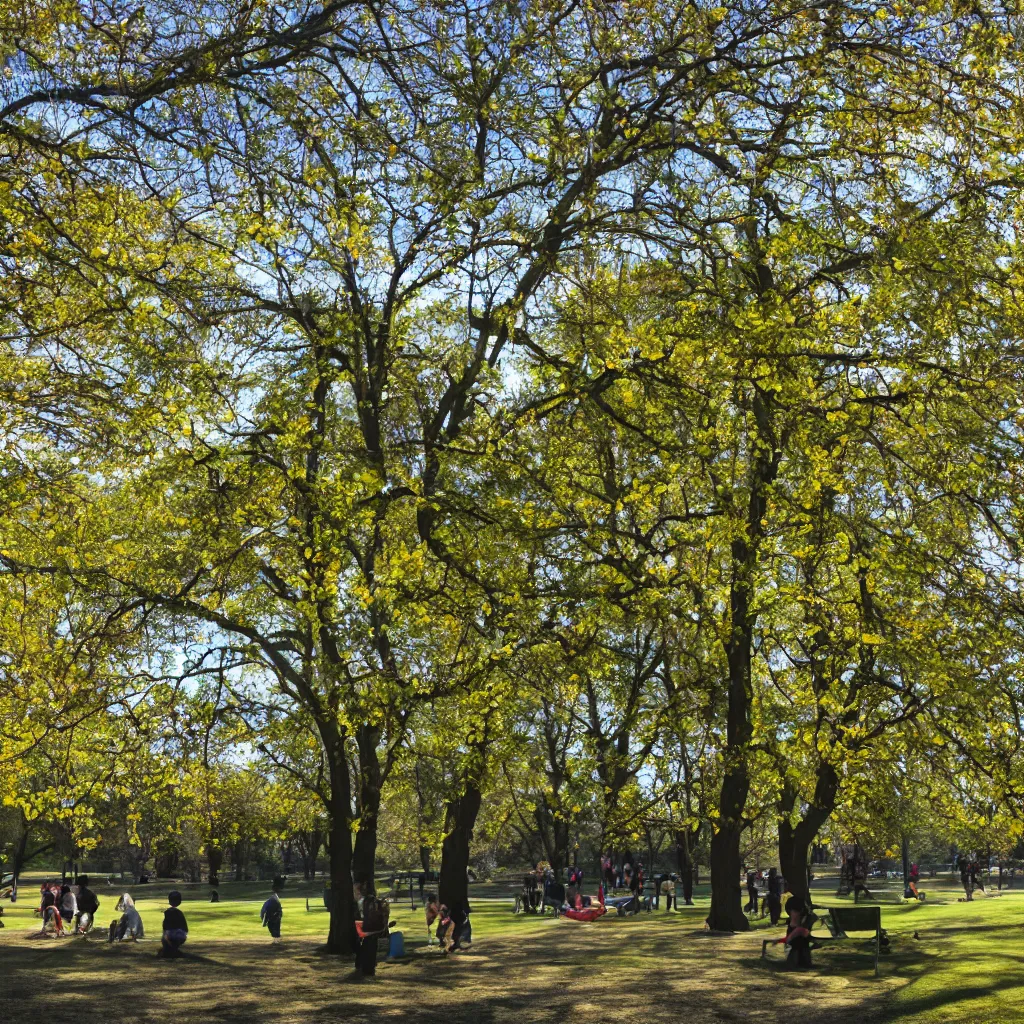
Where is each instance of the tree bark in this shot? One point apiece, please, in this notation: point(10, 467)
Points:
point(460, 819)
point(341, 938)
point(685, 838)
point(795, 840)
point(726, 912)
point(365, 854)
point(309, 849)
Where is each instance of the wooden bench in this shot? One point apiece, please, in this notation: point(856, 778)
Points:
point(842, 920)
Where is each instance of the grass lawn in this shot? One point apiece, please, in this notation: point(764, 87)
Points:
point(966, 966)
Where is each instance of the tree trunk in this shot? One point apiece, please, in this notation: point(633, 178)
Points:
point(19, 860)
point(726, 912)
point(795, 840)
point(365, 854)
point(342, 936)
point(425, 859)
point(460, 818)
point(905, 855)
point(726, 897)
point(309, 847)
point(685, 838)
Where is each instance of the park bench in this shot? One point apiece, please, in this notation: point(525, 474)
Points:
point(840, 921)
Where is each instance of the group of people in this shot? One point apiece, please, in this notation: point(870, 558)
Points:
point(71, 909)
point(624, 875)
point(541, 889)
point(450, 927)
point(67, 909)
point(764, 893)
point(970, 875)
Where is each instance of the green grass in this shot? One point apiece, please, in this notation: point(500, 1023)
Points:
point(966, 966)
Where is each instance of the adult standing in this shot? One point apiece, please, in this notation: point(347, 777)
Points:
point(965, 879)
point(668, 890)
point(751, 906)
point(975, 875)
point(272, 911)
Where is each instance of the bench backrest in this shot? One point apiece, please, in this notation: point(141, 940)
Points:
point(857, 919)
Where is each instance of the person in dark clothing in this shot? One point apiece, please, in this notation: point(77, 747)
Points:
point(88, 905)
point(375, 924)
point(49, 910)
point(554, 896)
point(462, 931)
point(975, 877)
point(530, 893)
point(271, 914)
point(774, 895)
point(751, 907)
point(175, 929)
point(798, 934)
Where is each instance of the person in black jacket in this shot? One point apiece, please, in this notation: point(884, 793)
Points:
point(751, 907)
point(88, 905)
point(175, 930)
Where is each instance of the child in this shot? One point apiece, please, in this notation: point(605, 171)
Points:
point(432, 910)
point(271, 912)
point(445, 928)
point(175, 926)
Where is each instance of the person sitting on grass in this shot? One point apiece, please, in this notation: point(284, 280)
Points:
point(175, 931)
point(130, 923)
point(68, 904)
point(271, 912)
point(50, 912)
point(88, 905)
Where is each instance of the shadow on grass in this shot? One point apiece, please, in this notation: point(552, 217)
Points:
point(627, 971)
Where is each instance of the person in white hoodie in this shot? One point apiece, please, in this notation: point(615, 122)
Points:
point(68, 904)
